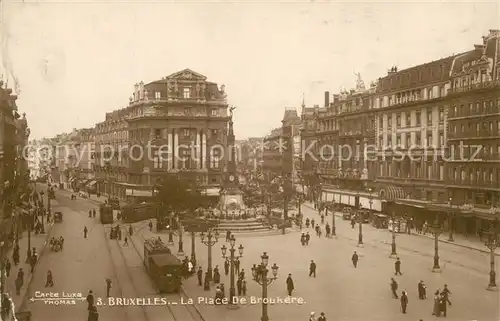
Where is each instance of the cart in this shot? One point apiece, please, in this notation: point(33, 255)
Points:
point(58, 217)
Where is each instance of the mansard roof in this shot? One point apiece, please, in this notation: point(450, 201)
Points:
point(418, 76)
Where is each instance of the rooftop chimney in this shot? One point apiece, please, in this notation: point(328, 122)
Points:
point(327, 99)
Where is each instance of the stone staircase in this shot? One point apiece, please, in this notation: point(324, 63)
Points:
point(248, 226)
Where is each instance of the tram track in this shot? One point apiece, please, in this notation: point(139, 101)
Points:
point(127, 288)
point(180, 312)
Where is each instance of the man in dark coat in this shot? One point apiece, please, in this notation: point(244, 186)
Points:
point(90, 300)
point(397, 267)
point(446, 293)
point(394, 288)
point(421, 290)
point(312, 269)
point(289, 284)
point(199, 274)
point(93, 314)
point(226, 267)
point(404, 302)
point(355, 259)
point(108, 287)
point(85, 231)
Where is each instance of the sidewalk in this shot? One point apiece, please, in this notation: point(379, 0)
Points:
point(37, 241)
point(471, 243)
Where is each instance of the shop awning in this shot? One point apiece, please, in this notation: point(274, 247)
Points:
point(91, 183)
point(391, 193)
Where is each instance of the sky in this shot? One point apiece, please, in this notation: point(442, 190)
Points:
point(76, 60)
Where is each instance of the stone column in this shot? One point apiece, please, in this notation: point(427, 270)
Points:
point(199, 159)
point(170, 154)
point(175, 149)
point(204, 150)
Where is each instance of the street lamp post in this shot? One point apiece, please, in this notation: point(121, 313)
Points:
point(42, 227)
point(232, 260)
point(211, 239)
point(2, 270)
point(193, 248)
point(450, 222)
point(394, 253)
point(259, 273)
point(30, 223)
point(180, 252)
point(171, 230)
point(436, 231)
point(492, 242)
point(360, 234)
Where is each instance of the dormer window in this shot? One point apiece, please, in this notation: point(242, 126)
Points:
point(187, 93)
point(215, 112)
point(157, 95)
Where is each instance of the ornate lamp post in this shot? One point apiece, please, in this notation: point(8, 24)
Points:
point(492, 242)
point(212, 237)
point(450, 222)
point(360, 221)
point(30, 226)
point(394, 253)
point(259, 273)
point(232, 260)
point(436, 231)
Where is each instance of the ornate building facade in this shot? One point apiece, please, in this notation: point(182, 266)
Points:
point(177, 124)
point(473, 158)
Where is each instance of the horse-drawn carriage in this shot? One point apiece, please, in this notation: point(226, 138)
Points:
point(56, 244)
point(58, 217)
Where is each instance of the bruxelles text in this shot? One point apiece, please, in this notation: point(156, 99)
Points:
point(195, 152)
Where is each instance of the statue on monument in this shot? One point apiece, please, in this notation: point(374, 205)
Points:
point(231, 111)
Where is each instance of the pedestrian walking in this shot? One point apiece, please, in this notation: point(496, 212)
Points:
point(327, 230)
point(308, 237)
point(322, 317)
point(237, 265)
point(216, 275)
point(312, 317)
point(404, 302)
point(446, 293)
point(199, 274)
point(93, 213)
point(93, 314)
point(289, 284)
point(421, 290)
point(150, 226)
point(397, 267)
point(15, 257)
point(244, 287)
point(90, 213)
point(125, 241)
point(443, 304)
point(90, 300)
point(108, 287)
point(206, 283)
point(50, 281)
point(18, 284)
point(436, 310)
point(394, 288)
point(228, 236)
point(239, 285)
point(20, 276)
point(312, 223)
point(130, 230)
point(312, 269)
point(355, 259)
point(85, 231)
point(226, 267)
point(7, 267)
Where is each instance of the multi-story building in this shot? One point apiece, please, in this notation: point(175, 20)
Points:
point(473, 158)
point(33, 159)
point(85, 162)
point(292, 162)
point(308, 167)
point(272, 153)
point(410, 131)
point(177, 124)
point(111, 160)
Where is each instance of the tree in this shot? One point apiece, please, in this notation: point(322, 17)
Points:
point(177, 195)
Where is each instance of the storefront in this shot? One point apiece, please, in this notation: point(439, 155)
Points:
point(366, 200)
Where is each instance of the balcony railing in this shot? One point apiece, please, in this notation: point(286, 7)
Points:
point(479, 86)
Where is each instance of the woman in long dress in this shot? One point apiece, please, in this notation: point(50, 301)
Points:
point(437, 308)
